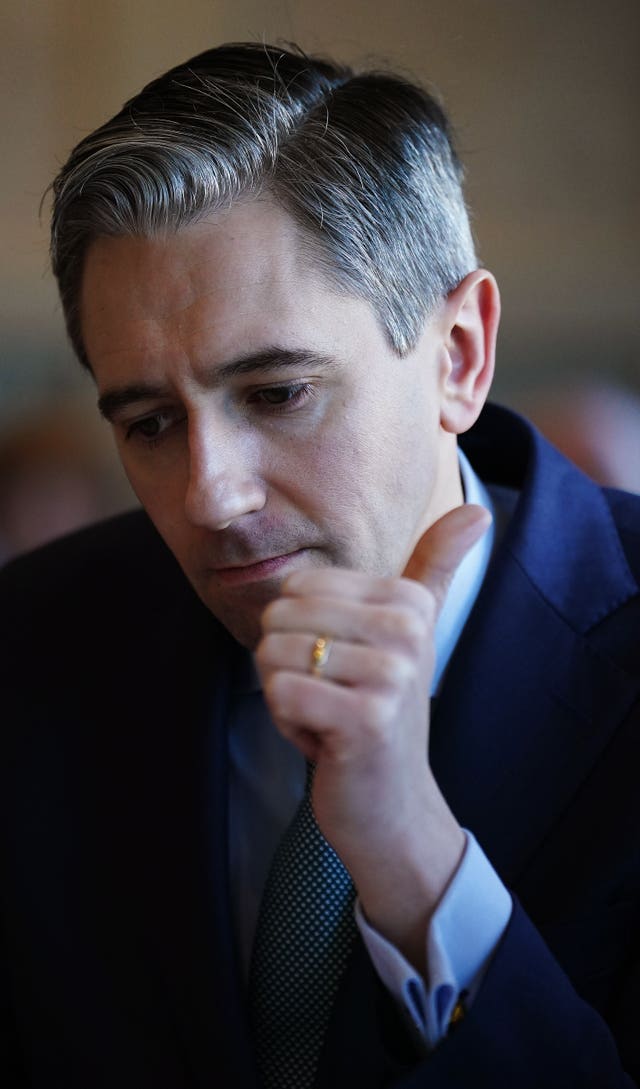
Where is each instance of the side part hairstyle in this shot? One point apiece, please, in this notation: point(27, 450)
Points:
point(363, 162)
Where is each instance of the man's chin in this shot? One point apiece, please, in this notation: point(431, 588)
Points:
point(241, 611)
point(237, 597)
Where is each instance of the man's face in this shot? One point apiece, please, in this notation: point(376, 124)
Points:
point(263, 420)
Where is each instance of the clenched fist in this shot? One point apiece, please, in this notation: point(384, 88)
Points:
point(364, 721)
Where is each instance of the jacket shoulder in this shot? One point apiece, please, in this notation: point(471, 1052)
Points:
point(95, 563)
point(125, 542)
point(115, 581)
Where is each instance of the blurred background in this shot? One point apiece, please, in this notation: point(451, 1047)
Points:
point(545, 100)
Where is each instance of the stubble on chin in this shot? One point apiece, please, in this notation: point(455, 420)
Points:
point(241, 613)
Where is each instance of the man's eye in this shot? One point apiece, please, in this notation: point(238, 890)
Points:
point(283, 395)
point(151, 428)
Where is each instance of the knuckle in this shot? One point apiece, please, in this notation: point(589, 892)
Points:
point(377, 712)
point(388, 589)
point(393, 670)
point(277, 693)
point(385, 621)
point(410, 629)
point(264, 652)
point(270, 615)
point(429, 605)
point(419, 597)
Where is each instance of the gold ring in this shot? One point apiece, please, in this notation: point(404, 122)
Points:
point(320, 655)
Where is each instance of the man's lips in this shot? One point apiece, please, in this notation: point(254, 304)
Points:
point(254, 572)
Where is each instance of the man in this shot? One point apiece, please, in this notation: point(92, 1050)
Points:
point(266, 264)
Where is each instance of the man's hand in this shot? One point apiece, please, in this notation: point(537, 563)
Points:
point(365, 722)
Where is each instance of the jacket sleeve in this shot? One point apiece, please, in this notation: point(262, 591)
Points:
point(527, 1029)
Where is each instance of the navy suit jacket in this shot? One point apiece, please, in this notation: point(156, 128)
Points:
point(118, 968)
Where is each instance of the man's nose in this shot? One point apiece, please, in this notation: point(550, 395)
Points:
point(222, 484)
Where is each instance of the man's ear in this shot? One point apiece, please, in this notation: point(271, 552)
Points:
point(471, 315)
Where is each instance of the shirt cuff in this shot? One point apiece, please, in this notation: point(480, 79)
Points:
point(461, 939)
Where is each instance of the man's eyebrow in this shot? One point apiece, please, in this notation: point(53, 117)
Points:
point(114, 399)
point(269, 359)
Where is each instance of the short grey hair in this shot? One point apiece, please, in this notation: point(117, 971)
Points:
point(363, 162)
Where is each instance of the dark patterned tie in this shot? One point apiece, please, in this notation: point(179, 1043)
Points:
point(305, 931)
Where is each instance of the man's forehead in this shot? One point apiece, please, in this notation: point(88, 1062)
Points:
point(251, 256)
point(220, 254)
point(219, 297)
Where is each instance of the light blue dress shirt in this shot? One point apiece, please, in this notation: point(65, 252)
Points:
point(266, 784)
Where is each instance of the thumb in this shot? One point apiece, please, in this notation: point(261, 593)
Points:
point(442, 548)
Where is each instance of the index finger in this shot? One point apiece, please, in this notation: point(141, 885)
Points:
point(335, 582)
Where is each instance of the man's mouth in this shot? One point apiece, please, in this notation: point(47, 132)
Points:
point(255, 572)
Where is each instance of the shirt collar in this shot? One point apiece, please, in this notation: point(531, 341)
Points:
point(466, 583)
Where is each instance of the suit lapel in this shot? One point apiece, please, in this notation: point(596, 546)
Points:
point(524, 714)
point(527, 704)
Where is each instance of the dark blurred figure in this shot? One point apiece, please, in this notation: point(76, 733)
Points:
point(597, 425)
point(54, 477)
